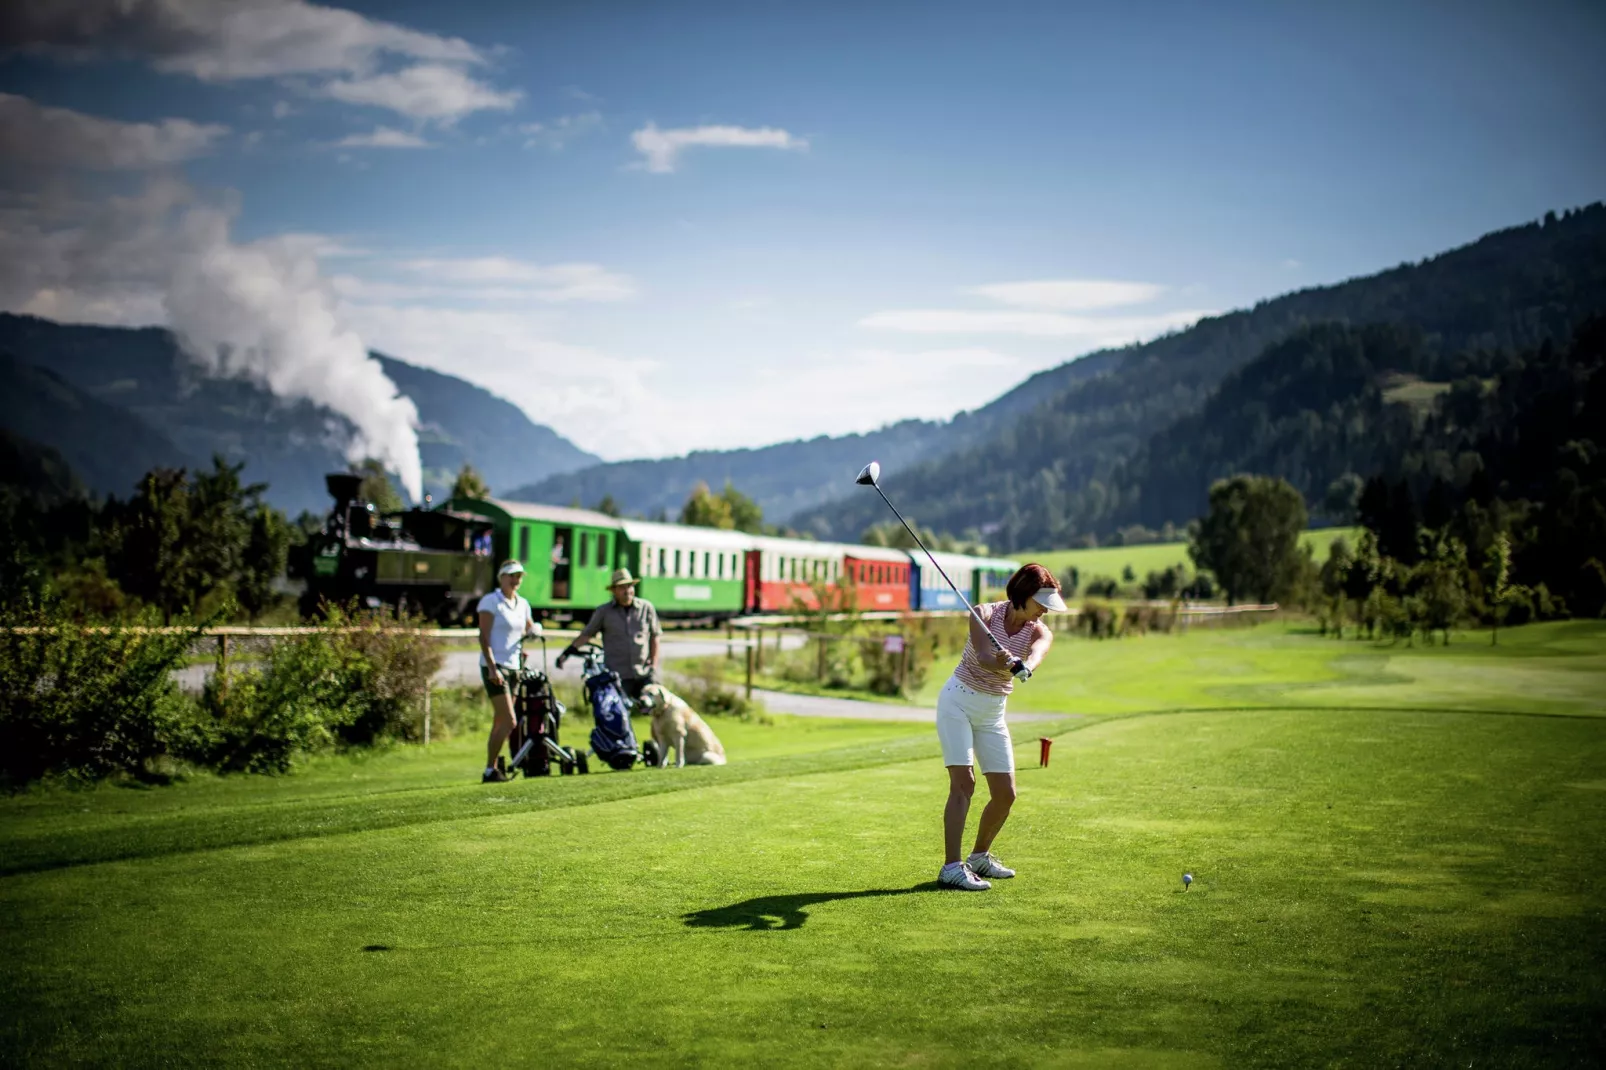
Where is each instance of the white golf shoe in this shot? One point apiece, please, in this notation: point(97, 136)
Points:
point(985, 865)
point(958, 875)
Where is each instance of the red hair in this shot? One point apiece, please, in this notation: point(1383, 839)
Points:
point(1027, 581)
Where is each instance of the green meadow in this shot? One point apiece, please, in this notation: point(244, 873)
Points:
point(1397, 854)
point(1110, 561)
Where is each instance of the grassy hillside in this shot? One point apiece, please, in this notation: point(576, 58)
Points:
point(1396, 857)
point(1154, 557)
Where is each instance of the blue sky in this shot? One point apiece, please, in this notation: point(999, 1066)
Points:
point(664, 227)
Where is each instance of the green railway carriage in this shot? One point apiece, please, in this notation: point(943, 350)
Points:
point(568, 554)
point(687, 571)
point(991, 576)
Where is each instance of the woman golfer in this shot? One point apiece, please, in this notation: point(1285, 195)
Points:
point(970, 719)
point(505, 620)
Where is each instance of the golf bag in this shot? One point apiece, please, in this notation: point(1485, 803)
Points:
point(534, 742)
point(612, 738)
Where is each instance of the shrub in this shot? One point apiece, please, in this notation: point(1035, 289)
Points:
point(87, 701)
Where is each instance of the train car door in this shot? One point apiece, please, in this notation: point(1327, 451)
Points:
point(750, 581)
point(562, 538)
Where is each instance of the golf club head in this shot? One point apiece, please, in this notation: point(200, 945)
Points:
point(869, 474)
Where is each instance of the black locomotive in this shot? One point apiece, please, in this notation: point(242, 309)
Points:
point(432, 562)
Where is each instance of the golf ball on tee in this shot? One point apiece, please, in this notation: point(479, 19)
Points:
point(1187, 879)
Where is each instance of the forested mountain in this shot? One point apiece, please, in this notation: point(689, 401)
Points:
point(140, 380)
point(1051, 474)
point(790, 477)
point(105, 445)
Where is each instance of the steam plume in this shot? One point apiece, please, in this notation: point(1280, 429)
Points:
point(263, 312)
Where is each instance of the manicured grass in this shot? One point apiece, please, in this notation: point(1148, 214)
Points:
point(1380, 880)
point(1110, 561)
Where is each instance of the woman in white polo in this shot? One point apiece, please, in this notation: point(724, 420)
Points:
point(505, 620)
point(970, 720)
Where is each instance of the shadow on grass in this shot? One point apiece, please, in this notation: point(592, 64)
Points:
point(784, 911)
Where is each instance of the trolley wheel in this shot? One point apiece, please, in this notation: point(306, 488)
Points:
point(566, 767)
point(582, 762)
point(650, 753)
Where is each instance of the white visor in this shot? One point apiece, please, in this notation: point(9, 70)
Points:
point(1050, 599)
point(510, 569)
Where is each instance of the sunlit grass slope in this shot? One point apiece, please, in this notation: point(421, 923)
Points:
point(1412, 883)
point(1110, 561)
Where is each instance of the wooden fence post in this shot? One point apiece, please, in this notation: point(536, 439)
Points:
point(730, 635)
point(750, 672)
point(758, 641)
point(223, 664)
point(903, 666)
point(819, 658)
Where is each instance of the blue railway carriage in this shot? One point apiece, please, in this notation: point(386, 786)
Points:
point(687, 571)
point(927, 589)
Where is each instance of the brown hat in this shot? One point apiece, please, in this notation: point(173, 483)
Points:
point(623, 578)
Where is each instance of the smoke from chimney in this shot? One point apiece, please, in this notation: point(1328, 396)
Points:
point(263, 312)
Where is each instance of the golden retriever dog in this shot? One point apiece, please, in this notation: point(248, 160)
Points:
point(675, 724)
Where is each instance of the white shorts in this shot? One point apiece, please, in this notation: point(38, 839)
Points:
point(970, 720)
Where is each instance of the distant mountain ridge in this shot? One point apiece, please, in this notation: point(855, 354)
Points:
point(1051, 474)
point(792, 477)
point(141, 380)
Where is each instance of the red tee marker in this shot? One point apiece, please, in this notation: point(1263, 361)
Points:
point(1042, 757)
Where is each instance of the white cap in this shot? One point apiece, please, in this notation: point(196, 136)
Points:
point(1050, 599)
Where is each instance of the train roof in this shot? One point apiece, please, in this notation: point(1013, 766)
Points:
point(555, 514)
point(877, 553)
point(775, 544)
point(685, 535)
point(996, 564)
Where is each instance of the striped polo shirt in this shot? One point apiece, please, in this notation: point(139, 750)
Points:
point(979, 675)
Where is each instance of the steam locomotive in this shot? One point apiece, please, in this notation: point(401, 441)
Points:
point(432, 562)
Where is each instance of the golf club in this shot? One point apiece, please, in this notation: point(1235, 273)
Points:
point(870, 476)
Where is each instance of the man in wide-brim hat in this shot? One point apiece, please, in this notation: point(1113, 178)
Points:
point(630, 634)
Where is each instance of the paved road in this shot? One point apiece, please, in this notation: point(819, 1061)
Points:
point(463, 666)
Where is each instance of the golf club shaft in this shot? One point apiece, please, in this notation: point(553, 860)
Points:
point(955, 587)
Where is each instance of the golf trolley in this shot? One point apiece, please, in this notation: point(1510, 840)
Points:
point(536, 716)
point(612, 738)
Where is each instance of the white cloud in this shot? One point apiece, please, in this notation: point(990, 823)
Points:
point(556, 133)
point(225, 40)
point(1069, 294)
point(232, 40)
point(1292, 265)
point(426, 91)
point(282, 110)
point(599, 401)
point(39, 137)
point(383, 137)
point(1108, 330)
point(500, 275)
point(660, 149)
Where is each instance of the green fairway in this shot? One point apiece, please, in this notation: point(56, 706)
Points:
point(1397, 856)
point(1110, 561)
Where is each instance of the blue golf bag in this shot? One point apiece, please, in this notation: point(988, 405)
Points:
point(612, 738)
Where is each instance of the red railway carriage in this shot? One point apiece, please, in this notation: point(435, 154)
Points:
point(880, 576)
point(781, 573)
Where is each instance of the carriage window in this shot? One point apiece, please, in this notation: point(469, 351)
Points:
point(662, 557)
point(524, 543)
point(602, 550)
point(677, 563)
point(585, 548)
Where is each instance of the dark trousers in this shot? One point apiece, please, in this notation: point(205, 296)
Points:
point(632, 685)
